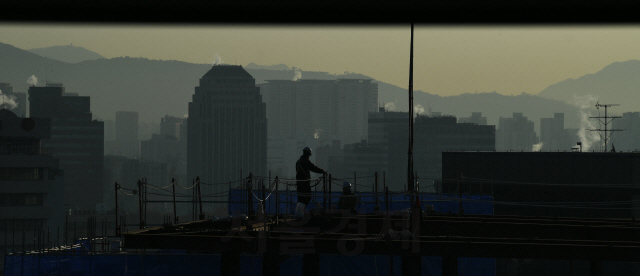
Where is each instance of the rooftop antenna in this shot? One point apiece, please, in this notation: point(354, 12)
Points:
point(410, 186)
point(606, 121)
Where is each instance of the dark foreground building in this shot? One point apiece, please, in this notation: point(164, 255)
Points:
point(76, 139)
point(227, 133)
point(551, 184)
point(563, 184)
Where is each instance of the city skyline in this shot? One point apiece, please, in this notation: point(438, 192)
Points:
point(448, 60)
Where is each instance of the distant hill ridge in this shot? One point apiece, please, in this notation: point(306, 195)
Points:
point(67, 53)
point(616, 83)
point(158, 87)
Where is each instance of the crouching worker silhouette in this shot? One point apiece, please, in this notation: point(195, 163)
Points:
point(304, 167)
point(348, 200)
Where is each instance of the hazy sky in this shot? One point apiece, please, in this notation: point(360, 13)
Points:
point(448, 60)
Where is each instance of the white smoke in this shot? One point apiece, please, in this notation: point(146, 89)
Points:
point(390, 107)
point(585, 106)
point(316, 134)
point(537, 147)
point(8, 102)
point(418, 109)
point(297, 74)
point(217, 60)
point(32, 81)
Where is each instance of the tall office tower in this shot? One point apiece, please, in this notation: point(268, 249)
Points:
point(227, 132)
point(14, 101)
point(627, 139)
point(554, 136)
point(32, 183)
point(314, 113)
point(76, 139)
point(476, 118)
point(170, 125)
point(515, 134)
point(127, 142)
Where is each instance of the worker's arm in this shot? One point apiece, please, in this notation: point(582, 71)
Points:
point(310, 166)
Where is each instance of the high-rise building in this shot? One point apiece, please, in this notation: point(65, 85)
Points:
point(476, 118)
point(32, 182)
point(314, 113)
point(627, 139)
point(127, 142)
point(515, 134)
point(434, 135)
point(553, 135)
point(76, 139)
point(170, 125)
point(386, 150)
point(227, 132)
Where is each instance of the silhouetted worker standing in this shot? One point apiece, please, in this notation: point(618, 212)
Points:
point(304, 167)
point(348, 200)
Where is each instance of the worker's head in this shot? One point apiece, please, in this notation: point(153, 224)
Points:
point(346, 186)
point(306, 150)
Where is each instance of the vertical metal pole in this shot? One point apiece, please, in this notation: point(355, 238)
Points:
point(6, 230)
point(410, 154)
point(175, 213)
point(459, 194)
point(384, 181)
point(144, 197)
point(355, 182)
point(375, 189)
point(330, 184)
point(193, 200)
point(268, 211)
point(324, 192)
point(277, 200)
point(200, 197)
point(481, 185)
point(386, 198)
point(249, 192)
point(13, 246)
point(117, 225)
point(139, 207)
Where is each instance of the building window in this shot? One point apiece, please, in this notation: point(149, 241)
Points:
point(20, 174)
point(21, 199)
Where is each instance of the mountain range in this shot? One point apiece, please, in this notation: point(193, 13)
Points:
point(156, 88)
point(67, 53)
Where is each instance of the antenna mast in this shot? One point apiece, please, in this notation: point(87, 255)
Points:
point(606, 121)
point(410, 161)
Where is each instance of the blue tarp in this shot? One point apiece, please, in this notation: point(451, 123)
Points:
point(192, 264)
point(180, 263)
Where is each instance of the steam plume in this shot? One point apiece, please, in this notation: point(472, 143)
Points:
point(33, 81)
point(217, 60)
point(8, 102)
point(587, 137)
point(297, 74)
point(390, 106)
point(316, 134)
point(537, 147)
point(418, 109)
